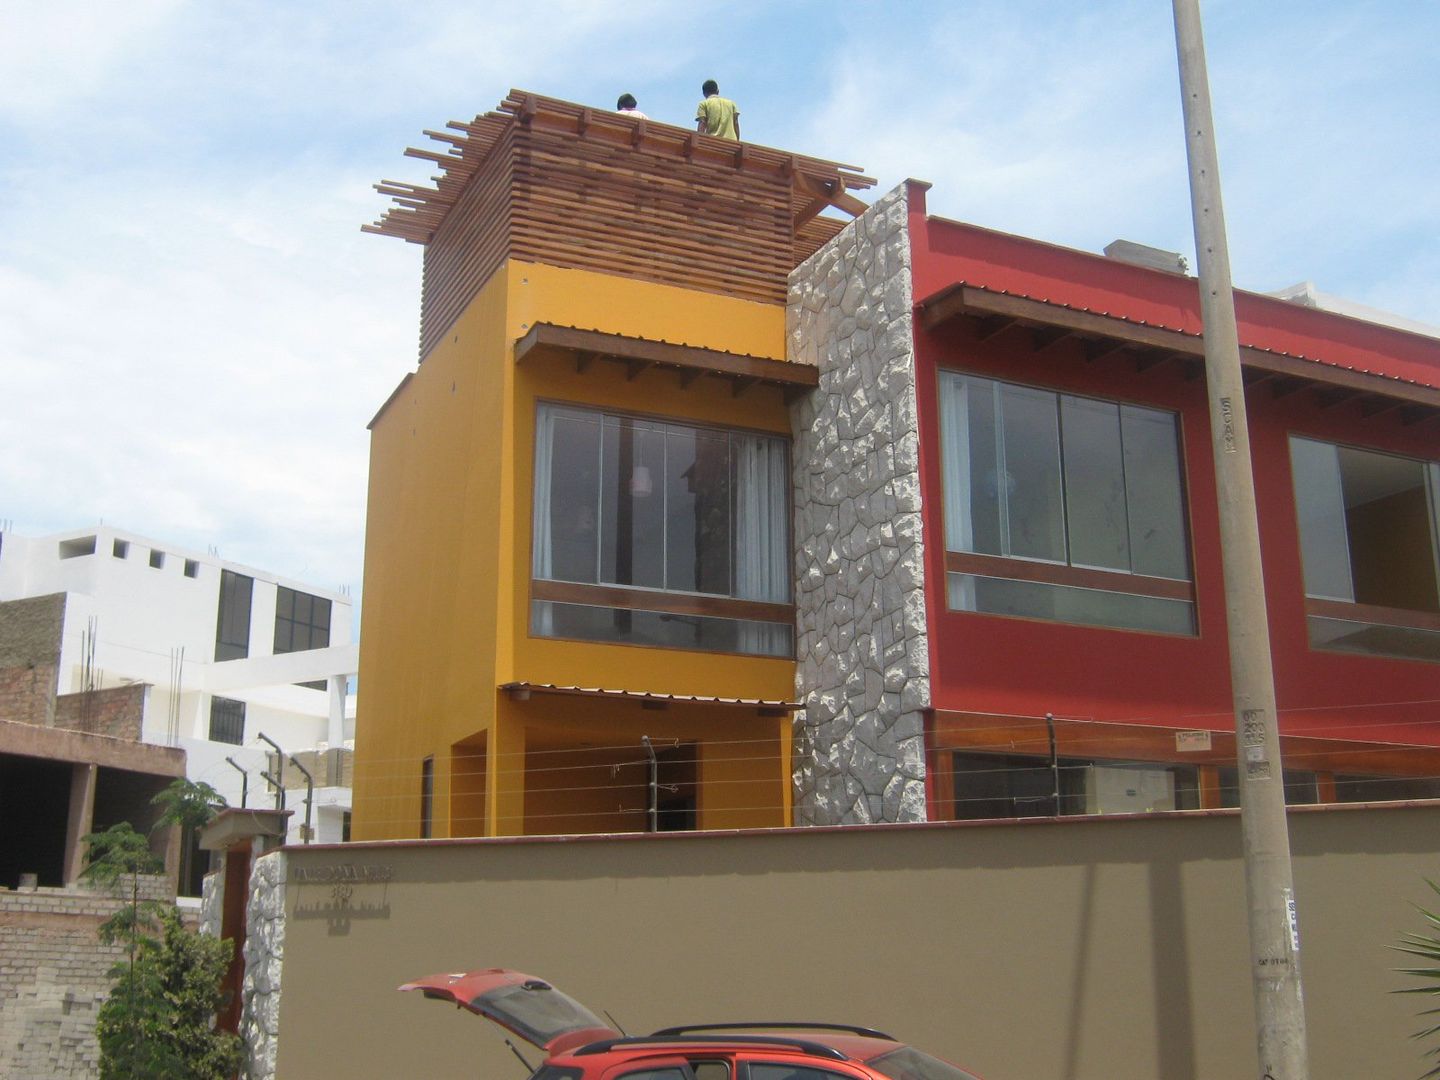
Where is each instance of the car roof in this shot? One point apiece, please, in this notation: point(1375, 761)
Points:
point(833, 1046)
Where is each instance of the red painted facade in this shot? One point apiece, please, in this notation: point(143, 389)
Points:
point(985, 664)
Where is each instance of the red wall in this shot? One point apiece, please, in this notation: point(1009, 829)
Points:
point(990, 664)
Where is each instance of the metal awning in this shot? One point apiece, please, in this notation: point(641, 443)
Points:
point(523, 691)
point(1150, 345)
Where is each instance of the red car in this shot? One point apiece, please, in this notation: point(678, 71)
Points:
point(580, 1046)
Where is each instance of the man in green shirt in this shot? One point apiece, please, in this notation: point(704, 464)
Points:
point(717, 115)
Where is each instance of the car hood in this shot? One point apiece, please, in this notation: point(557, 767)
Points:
point(529, 1007)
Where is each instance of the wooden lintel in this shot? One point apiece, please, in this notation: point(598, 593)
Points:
point(546, 337)
point(741, 384)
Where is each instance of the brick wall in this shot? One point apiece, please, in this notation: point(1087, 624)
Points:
point(29, 657)
point(116, 711)
point(53, 978)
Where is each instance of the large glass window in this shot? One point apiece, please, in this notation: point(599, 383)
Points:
point(680, 532)
point(232, 624)
point(1368, 544)
point(302, 621)
point(1063, 507)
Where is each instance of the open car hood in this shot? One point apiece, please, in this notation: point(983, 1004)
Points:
point(529, 1007)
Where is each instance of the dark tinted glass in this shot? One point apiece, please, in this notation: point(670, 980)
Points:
point(232, 625)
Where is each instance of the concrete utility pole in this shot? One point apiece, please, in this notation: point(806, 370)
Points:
point(1274, 933)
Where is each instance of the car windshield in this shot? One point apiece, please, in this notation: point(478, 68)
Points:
point(907, 1063)
point(536, 1011)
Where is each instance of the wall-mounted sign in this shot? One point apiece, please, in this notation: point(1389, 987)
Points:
point(1191, 741)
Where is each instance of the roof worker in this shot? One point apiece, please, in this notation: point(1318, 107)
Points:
point(626, 106)
point(717, 115)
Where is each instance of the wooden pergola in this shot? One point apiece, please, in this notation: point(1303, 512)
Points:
point(568, 185)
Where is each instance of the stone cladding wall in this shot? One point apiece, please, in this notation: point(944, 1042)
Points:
point(264, 957)
point(54, 977)
point(864, 666)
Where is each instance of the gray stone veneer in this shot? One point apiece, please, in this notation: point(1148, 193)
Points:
point(264, 955)
point(864, 664)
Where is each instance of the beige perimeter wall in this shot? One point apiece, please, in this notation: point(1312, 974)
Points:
point(1088, 949)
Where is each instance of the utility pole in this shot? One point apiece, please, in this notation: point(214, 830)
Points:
point(1269, 887)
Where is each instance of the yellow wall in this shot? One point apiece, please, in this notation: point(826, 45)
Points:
point(448, 537)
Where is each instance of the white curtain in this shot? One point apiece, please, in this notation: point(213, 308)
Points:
point(544, 557)
point(762, 534)
point(955, 452)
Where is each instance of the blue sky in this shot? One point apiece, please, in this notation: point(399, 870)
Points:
point(194, 333)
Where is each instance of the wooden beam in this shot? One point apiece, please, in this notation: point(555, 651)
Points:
point(741, 384)
point(1044, 338)
point(989, 328)
point(1329, 398)
point(545, 336)
point(1103, 349)
point(968, 300)
point(633, 369)
point(1373, 407)
point(583, 360)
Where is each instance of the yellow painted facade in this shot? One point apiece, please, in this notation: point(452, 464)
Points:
point(447, 580)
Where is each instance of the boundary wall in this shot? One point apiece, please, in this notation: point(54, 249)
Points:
point(1078, 948)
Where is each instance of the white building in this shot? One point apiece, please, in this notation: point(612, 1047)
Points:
point(223, 649)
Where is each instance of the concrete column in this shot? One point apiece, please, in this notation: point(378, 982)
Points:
point(336, 735)
point(81, 818)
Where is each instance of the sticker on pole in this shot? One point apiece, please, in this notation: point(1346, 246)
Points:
point(1253, 726)
point(1291, 920)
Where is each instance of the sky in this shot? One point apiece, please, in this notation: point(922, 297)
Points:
point(194, 332)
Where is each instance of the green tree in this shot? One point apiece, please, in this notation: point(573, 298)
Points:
point(1427, 947)
point(159, 1021)
point(190, 805)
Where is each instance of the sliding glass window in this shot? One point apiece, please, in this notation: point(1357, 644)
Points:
point(653, 532)
point(1063, 507)
point(1370, 547)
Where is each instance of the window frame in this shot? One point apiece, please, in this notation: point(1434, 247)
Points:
point(652, 599)
point(1357, 611)
point(1067, 574)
